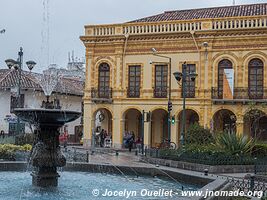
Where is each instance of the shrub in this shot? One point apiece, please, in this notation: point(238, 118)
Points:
point(234, 144)
point(8, 151)
point(197, 134)
point(211, 155)
point(205, 154)
point(259, 150)
point(27, 147)
point(26, 138)
point(169, 153)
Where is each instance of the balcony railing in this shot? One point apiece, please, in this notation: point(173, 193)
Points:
point(133, 92)
point(253, 22)
point(101, 94)
point(160, 92)
point(189, 93)
point(240, 93)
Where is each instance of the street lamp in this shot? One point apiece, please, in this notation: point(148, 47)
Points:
point(169, 97)
point(17, 65)
point(181, 76)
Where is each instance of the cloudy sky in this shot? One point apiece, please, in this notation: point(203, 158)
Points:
point(28, 22)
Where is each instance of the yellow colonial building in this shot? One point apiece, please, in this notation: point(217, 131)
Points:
point(225, 46)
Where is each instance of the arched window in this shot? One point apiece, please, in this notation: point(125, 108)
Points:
point(103, 80)
point(255, 79)
point(223, 64)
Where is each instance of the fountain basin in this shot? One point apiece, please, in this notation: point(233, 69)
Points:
point(46, 116)
point(86, 185)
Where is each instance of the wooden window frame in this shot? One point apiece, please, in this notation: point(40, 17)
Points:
point(161, 81)
point(104, 86)
point(191, 88)
point(255, 65)
point(134, 90)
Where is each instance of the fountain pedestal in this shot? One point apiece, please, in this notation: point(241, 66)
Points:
point(45, 179)
point(46, 154)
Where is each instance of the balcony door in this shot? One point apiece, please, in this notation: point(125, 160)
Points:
point(103, 81)
point(190, 84)
point(161, 78)
point(223, 64)
point(255, 79)
point(134, 81)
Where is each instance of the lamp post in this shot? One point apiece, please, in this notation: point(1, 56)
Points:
point(169, 96)
point(181, 76)
point(17, 65)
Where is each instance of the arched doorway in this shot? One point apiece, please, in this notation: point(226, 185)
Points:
point(102, 122)
point(159, 127)
point(255, 125)
point(132, 122)
point(224, 121)
point(191, 117)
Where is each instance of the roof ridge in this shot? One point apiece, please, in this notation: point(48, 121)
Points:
point(243, 10)
point(215, 7)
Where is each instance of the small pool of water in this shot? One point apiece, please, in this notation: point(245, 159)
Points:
point(83, 186)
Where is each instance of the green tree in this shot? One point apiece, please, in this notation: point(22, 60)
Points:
point(197, 134)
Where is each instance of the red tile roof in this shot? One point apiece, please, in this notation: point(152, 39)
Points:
point(8, 79)
point(208, 13)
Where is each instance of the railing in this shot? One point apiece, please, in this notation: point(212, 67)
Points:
point(239, 23)
point(253, 22)
point(199, 157)
point(160, 92)
point(240, 93)
point(189, 93)
point(133, 92)
point(101, 93)
point(166, 27)
point(261, 166)
point(249, 185)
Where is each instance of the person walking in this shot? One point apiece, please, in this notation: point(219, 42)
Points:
point(2, 133)
point(131, 141)
point(102, 138)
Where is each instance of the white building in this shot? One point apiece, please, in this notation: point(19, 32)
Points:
point(68, 91)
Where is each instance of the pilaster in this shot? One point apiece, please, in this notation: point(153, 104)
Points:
point(88, 121)
point(147, 134)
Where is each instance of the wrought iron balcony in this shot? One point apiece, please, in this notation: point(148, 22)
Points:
point(101, 94)
point(160, 92)
point(133, 92)
point(189, 93)
point(240, 94)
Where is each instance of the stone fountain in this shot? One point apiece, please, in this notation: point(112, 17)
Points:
point(46, 154)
